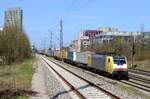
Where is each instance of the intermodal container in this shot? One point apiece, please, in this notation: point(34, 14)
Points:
point(50, 53)
point(57, 53)
point(71, 56)
point(64, 54)
point(82, 57)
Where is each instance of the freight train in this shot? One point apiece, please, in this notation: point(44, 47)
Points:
point(107, 63)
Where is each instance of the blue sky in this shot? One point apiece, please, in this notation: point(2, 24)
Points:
point(41, 15)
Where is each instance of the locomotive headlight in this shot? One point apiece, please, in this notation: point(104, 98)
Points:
point(125, 65)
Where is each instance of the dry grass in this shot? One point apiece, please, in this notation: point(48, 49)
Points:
point(15, 80)
point(142, 65)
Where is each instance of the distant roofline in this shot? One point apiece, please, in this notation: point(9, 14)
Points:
point(147, 32)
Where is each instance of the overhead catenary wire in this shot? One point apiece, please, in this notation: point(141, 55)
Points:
point(70, 7)
point(78, 9)
point(61, 23)
point(55, 23)
point(60, 17)
point(59, 14)
point(81, 7)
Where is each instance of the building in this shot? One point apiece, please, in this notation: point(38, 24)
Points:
point(13, 17)
point(110, 36)
point(92, 33)
point(74, 45)
point(108, 29)
point(147, 34)
point(81, 42)
point(101, 36)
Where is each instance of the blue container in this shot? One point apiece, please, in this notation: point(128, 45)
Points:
point(70, 56)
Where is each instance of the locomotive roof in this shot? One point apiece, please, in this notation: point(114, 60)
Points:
point(119, 57)
point(106, 53)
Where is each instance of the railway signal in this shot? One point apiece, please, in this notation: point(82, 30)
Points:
point(133, 49)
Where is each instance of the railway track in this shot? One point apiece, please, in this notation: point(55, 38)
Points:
point(139, 79)
point(79, 90)
point(141, 72)
point(136, 85)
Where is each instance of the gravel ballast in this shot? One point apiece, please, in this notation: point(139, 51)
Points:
point(46, 84)
point(88, 91)
point(115, 87)
point(55, 88)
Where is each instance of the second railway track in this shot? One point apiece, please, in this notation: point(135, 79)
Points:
point(141, 72)
point(137, 82)
point(82, 87)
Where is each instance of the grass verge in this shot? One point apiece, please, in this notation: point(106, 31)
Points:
point(141, 65)
point(15, 80)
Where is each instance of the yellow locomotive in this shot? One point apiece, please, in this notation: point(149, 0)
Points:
point(115, 66)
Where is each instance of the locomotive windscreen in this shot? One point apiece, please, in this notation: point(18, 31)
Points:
point(119, 60)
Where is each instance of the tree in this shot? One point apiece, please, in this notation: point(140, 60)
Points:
point(14, 45)
point(119, 45)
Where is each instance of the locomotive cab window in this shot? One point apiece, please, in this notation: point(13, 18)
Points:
point(119, 61)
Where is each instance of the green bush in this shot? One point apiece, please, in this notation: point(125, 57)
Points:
point(14, 45)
